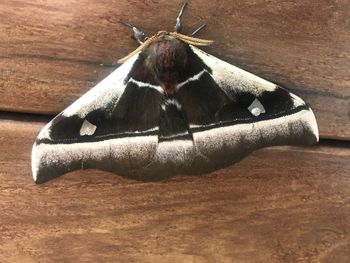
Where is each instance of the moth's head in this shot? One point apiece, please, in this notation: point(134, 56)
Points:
point(163, 34)
point(165, 55)
point(167, 36)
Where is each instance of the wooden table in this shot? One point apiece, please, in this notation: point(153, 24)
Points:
point(280, 204)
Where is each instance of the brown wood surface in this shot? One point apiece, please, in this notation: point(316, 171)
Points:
point(282, 204)
point(51, 52)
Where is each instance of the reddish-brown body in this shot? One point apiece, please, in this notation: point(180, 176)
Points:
point(166, 58)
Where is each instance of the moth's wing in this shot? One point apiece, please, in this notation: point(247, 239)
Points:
point(219, 114)
point(112, 127)
point(232, 112)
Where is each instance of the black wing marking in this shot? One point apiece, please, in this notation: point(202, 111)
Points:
point(203, 100)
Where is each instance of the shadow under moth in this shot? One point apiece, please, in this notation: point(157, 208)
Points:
point(170, 108)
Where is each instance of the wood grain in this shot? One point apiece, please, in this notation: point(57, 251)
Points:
point(283, 204)
point(51, 52)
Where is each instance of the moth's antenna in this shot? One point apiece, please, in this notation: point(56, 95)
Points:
point(125, 23)
point(138, 34)
point(192, 40)
point(143, 46)
point(178, 26)
point(197, 30)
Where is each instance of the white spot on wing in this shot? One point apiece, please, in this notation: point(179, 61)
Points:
point(256, 108)
point(87, 128)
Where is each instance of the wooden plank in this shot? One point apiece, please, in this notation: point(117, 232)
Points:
point(48, 63)
point(283, 204)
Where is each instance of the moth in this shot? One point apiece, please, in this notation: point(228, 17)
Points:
point(170, 108)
